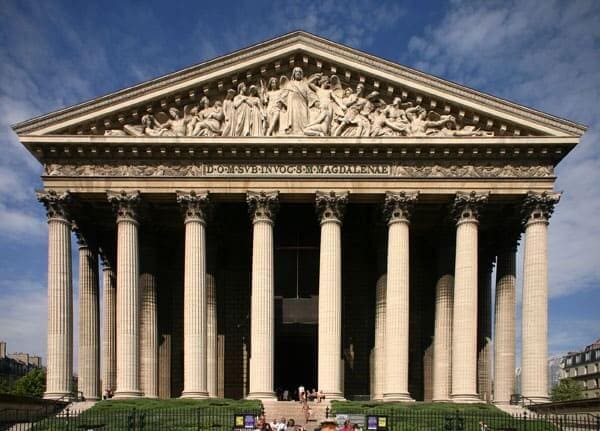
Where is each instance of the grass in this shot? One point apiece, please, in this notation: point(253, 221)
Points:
point(142, 404)
point(153, 414)
point(397, 407)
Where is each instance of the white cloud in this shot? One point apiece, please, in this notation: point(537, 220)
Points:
point(545, 55)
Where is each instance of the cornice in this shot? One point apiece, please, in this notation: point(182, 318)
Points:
point(295, 42)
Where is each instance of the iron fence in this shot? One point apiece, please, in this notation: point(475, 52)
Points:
point(413, 420)
point(183, 419)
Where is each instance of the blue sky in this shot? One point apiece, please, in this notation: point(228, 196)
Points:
point(544, 54)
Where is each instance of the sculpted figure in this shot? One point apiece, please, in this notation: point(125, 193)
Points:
point(299, 98)
point(257, 115)
point(229, 113)
point(272, 98)
point(356, 109)
point(211, 124)
point(174, 126)
point(242, 112)
point(321, 126)
point(395, 116)
point(419, 124)
point(146, 128)
point(450, 128)
point(197, 116)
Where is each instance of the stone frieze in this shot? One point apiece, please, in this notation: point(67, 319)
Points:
point(448, 169)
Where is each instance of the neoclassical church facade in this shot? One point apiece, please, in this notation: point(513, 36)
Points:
point(298, 213)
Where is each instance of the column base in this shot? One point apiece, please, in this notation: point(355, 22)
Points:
point(401, 397)
point(56, 395)
point(126, 395)
point(194, 395)
point(537, 400)
point(441, 400)
point(465, 398)
point(338, 396)
point(264, 396)
point(91, 398)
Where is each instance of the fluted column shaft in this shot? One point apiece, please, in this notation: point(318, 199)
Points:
point(464, 328)
point(397, 297)
point(534, 376)
point(484, 329)
point(109, 352)
point(504, 331)
point(59, 363)
point(442, 341)
point(89, 323)
point(331, 208)
point(211, 340)
point(149, 324)
point(262, 313)
point(379, 349)
point(128, 296)
point(195, 298)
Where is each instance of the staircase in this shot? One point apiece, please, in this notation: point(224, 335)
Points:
point(515, 410)
point(276, 410)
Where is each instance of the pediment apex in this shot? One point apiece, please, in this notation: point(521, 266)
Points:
point(315, 55)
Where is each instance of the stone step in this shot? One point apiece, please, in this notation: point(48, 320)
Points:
point(276, 410)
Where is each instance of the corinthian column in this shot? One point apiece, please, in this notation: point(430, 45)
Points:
point(504, 326)
point(89, 321)
point(397, 212)
point(330, 208)
point(262, 207)
point(211, 336)
point(59, 364)
point(194, 295)
point(128, 294)
point(379, 349)
point(148, 321)
point(442, 338)
point(464, 328)
point(109, 352)
point(537, 209)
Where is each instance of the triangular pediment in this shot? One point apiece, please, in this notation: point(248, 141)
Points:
point(342, 92)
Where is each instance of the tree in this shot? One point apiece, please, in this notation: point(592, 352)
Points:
point(32, 384)
point(567, 390)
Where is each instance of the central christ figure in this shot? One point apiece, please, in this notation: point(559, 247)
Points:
point(300, 98)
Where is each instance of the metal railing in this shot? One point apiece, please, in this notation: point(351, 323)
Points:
point(413, 419)
point(128, 420)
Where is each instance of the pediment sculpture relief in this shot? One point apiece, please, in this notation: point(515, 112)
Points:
point(318, 105)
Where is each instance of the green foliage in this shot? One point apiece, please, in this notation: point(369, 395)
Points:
point(567, 390)
point(5, 386)
point(177, 403)
point(32, 384)
point(396, 407)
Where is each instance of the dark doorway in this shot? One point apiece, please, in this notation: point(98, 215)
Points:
point(296, 357)
point(296, 305)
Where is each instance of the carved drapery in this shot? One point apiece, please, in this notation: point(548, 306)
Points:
point(299, 105)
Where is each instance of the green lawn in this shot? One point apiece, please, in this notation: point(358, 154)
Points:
point(151, 414)
point(175, 403)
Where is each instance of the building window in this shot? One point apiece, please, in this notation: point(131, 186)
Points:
point(588, 356)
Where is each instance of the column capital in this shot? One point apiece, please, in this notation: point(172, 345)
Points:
point(194, 205)
point(331, 206)
point(57, 204)
point(466, 206)
point(126, 205)
point(538, 207)
point(398, 206)
point(262, 206)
